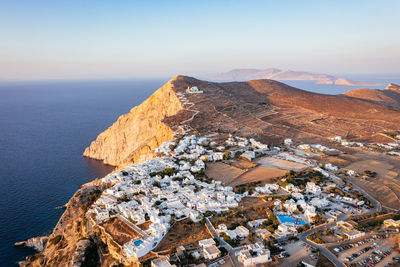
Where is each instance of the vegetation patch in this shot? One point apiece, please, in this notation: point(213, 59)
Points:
point(91, 256)
point(55, 240)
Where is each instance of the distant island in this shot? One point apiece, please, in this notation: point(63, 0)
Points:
point(284, 75)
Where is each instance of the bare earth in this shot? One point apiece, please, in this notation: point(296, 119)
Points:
point(386, 186)
point(259, 173)
point(120, 231)
point(275, 163)
point(222, 172)
point(183, 234)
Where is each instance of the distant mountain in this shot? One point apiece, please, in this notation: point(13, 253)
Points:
point(284, 75)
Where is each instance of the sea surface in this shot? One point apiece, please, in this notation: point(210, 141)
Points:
point(44, 128)
point(339, 89)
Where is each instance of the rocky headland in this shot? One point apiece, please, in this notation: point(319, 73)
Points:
point(264, 109)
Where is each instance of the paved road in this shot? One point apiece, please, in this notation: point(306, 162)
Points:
point(303, 237)
point(377, 204)
point(228, 247)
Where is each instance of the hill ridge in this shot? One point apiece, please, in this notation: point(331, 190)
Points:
point(264, 109)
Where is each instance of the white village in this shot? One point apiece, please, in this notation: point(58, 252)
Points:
point(174, 187)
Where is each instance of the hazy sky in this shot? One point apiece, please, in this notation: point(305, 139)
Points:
point(112, 39)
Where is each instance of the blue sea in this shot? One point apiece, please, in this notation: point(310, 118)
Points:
point(339, 89)
point(44, 128)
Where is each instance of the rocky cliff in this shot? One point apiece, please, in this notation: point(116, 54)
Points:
point(70, 243)
point(135, 135)
point(393, 87)
point(265, 109)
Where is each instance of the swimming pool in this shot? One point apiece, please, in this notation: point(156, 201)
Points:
point(138, 242)
point(287, 218)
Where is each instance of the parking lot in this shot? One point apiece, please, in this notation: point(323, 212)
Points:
point(377, 250)
point(295, 252)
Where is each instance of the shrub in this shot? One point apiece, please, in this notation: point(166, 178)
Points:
point(55, 239)
point(91, 256)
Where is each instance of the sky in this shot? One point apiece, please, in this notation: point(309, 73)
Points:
point(98, 39)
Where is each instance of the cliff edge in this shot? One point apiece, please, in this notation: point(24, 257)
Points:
point(264, 109)
point(135, 135)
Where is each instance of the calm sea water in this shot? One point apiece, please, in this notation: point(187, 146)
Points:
point(338, 89)
point(44, 128)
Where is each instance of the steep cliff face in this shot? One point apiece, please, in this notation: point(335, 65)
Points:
point(135, 135)
point(70, 240)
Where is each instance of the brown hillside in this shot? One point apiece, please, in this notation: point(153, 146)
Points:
point(389, 96)
point(265, 109)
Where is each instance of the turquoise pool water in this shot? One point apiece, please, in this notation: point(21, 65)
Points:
point(138, 242)
point(286, 218)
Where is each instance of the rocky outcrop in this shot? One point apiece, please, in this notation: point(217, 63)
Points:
point(37, 243)
point(64, 246)
point(78, 257)
point(393, 87)
point(135, 135)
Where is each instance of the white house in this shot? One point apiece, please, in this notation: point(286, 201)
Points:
point(250, 155)
point(313, 188)
point(206, 242)
point(193, 90)
point(211, 252)
point(161, 262)
point(254, 254)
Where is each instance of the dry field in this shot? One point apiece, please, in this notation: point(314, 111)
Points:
point(265, 175)
point(222, 172)
point(339, 161)
point(183, 234)
point(380, 191)
point(244, 164)
point(383, 169)
point(386, 186)
point(274, 163)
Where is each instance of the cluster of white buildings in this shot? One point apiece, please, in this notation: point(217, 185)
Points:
point(245, 143)
point(170, 188)
point(392, 148)
point(146, 193)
